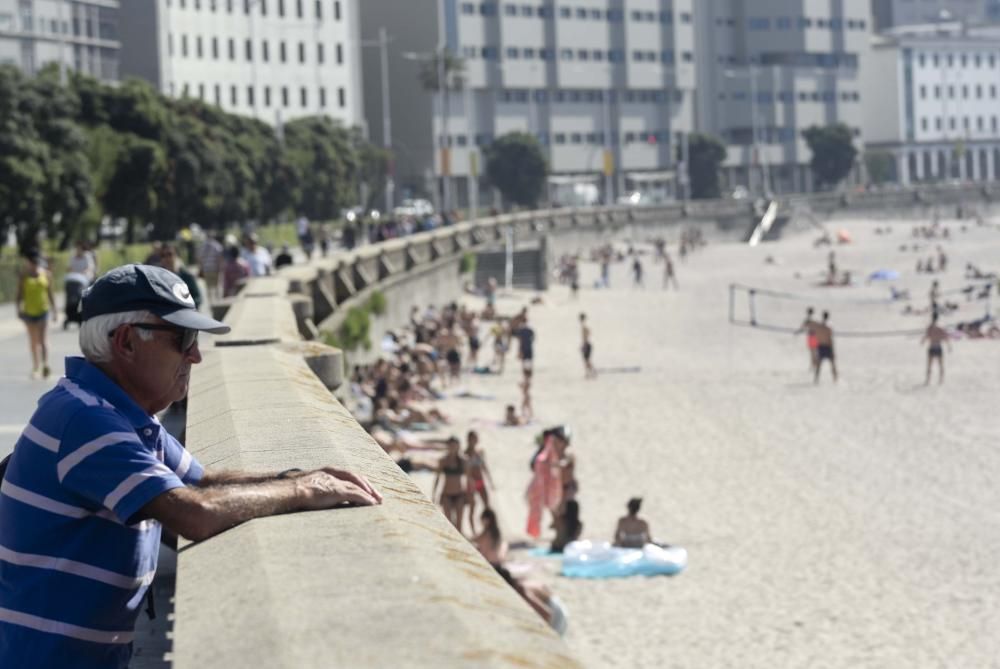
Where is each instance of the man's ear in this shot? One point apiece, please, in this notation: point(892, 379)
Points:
point(123, 342)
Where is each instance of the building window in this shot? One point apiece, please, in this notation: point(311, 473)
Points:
point(336, 10)
point(198, 47)
point(232, 49)
point(265, 52)
point(304, 97)
point(341, 97)
point(302, 52)
point(282, 53)
point(511, 53)
point(923, 92)
point(249, 50)
point(201, 92)
point(281, 13)
point(319, 10)
point(565, 12)
point(218, 95)
point(298, 13)
point(284, 97)
point(468, 8)
point(267, 90)
point(215, 48)
point(233, 99)
point(923, 124)
point(250, 100)
point(322, 97)
point(340, 54)
point(184, 46)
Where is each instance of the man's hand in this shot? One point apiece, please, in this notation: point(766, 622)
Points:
point(331, 487)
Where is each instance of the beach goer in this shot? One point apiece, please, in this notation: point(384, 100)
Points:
point(824, 347)
point(477, 473)
point(637, 271)
point(606, 269)
point(632, 531)
point(80, 273)
point(567, 525)
point(36, 305)
point(934, 295)
point(527, 411)
point(586, 348)
point(545, 488)
point(809, 327)
point(935, 336)
point(500, 344)
point(95, 475)
point(284, 258)
point(526, 344)
point(669, 276)
point(511, 419)
point(831, 269)
point(451, 470)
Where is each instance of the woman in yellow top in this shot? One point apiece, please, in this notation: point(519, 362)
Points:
point(35, 305)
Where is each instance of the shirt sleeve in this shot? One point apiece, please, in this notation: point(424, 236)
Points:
point(180, 460)
point(102, 460)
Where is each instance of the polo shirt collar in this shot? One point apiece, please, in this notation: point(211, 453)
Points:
point(86, 374)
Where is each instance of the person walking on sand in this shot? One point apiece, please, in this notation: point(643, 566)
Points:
point(824, 347)
point(586, 349)
point(527, 411)
point(477, 474)
point(668, 272)
point(935, 336)
point(452, 468)
point(35, 305)
point(809, 327)
point(934, 295)
point(637, 272)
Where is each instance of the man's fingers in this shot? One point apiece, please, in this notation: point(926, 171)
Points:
point(353, 494)
point(356, 479)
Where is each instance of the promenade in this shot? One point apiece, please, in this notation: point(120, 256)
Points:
point(848, 525)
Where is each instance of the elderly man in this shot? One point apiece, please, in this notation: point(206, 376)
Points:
point(94, 476)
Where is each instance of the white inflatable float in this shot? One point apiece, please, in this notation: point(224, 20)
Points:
point(590, 559)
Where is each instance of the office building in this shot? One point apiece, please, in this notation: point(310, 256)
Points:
point(938, 111)
point(606, 87)
point(273, 59)
point(770, 70)
point(80, 34)
point(892, 13)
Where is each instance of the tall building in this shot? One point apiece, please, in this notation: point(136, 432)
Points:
point(890, 13)
point(938, 111)
point(606, 86)
point(769, 70)
point(80, 34)
point(273, 59)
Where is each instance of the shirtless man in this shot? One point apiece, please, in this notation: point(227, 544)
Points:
point(809, 327)
point(934, 337)
point(586, 349)
point(824, 347)
point(668, 272)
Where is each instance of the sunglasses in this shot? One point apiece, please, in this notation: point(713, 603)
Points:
point(185, 340)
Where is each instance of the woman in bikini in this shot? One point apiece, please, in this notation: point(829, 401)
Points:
point(476, 476)
point(453, 493)
point(632, 531)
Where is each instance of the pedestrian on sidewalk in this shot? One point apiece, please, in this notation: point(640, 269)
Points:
point(36, 304)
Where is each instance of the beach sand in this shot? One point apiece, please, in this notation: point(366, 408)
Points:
point(848, 525)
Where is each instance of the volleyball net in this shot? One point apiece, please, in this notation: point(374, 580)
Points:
point(780, 311)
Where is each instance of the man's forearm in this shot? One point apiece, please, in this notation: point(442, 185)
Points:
point(219, 508)
point(223, 477)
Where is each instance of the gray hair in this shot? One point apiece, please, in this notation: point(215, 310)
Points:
point(95, 333)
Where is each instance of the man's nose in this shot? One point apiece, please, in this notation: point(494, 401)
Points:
point(194, 354)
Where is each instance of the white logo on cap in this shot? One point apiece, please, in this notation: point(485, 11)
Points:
point(182, 293)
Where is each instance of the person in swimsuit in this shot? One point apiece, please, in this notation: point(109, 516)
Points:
point(824, 347)
point(633, 531)
point(453, 493)
point(567, 525)
point(668, 272)
point(586, 349)
point(500, 344)
point(809, 327)
point(935, 336)
point(527, 412)
point(35, 305)
point(476, 476)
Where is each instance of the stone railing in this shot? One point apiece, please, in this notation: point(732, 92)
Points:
point(393, 585)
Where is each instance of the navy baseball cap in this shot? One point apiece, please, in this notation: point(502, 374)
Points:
point(147, 288)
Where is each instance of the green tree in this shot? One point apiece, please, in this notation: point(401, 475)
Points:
point(323, 156)
point(705, 154)
point(22, 161)
point(516, 165)
point(833, 152)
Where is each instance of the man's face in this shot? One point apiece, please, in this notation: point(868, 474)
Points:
point(159, 370)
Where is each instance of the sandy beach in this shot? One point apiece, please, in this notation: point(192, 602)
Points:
point(847, 525)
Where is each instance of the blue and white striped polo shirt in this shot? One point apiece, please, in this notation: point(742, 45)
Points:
point(75, 562)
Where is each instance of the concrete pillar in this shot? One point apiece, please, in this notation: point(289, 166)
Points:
point(991, 163)
point(972, 161)
point(963, 173)
point(903, 167)
point(918, 164)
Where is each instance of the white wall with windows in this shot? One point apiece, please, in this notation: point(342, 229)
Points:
point(273, 59)
point(82, 34)
point(943, 121)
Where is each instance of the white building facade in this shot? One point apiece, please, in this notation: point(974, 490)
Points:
point(894, 13)
point(607, 87)
point(938, 115)
point(770, 70)
point(276, 60)
point(81, 34)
